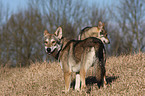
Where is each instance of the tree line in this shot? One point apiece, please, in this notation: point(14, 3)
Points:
point(21, 33)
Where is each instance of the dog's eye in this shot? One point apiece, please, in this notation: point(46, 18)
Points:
point(53, 41)
point(45, 42)
point(101, 33)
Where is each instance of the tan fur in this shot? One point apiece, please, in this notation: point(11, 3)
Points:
point(77, 56)
point(92, 32)
point(97, 32)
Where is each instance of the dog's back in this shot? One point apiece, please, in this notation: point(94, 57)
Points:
point(88, 32)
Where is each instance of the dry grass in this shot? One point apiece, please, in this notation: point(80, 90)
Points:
point(125, 76)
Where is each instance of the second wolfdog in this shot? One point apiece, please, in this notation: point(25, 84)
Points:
point(77, 56)
point(98, 32)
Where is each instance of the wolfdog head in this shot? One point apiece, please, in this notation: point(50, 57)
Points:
point(53, 41)
point(103, 33)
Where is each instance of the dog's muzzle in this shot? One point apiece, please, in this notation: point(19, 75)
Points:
point(52, 49)
point(48, 50)
point(104, 40)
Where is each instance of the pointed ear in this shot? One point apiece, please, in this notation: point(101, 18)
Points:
point(45, 32)
point(58, 32)
point(100, 25)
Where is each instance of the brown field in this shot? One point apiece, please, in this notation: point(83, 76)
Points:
point(125, 77)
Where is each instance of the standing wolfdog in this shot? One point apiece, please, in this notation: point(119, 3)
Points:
point(77, 56)
point(97, 31)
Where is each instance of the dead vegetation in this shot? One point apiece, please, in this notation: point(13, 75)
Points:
point(125, 76)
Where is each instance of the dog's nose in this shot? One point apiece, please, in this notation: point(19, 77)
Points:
point(48, 50)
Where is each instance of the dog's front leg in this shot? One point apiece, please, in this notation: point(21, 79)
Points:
point(67, 78)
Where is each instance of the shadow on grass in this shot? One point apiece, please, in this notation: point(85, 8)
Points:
point(91, 80)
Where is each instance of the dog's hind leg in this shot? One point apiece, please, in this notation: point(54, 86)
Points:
point(83, 70)
point(104, 76)
point(101, 74)
point(67, 78)
point(82, 75)
point(77, 83)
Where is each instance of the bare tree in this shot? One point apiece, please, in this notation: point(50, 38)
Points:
point(23, 38)
point(98, 14)
point(130, 17)
point(4, 36)
point(68, 14)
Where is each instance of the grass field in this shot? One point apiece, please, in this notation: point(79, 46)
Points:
point(125, 77)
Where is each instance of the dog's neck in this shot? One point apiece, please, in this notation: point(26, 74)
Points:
point(64, 41)
point(57, 52)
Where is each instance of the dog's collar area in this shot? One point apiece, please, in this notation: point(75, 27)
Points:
point(60, 40)
point(58, 53)
point(62, 46)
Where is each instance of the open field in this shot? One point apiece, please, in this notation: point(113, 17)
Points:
point(125, 76)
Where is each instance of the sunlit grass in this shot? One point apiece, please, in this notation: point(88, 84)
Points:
point(125, 76)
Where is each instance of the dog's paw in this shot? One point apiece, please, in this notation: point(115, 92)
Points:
point(65, 91)
point(77, 90)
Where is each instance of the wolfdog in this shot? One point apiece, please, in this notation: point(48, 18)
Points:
point(98, 31)
point(77, 56)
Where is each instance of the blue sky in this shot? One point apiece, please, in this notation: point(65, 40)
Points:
point(22, 4)
point(13, 5)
